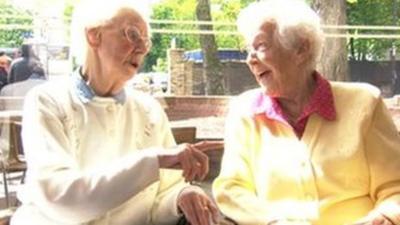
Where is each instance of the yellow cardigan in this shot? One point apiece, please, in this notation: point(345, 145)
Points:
point(337, 173)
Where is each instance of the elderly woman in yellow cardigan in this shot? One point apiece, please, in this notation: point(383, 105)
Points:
point(301, 149)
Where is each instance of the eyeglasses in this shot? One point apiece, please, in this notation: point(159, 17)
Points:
point(133, 35)
point(259, 47)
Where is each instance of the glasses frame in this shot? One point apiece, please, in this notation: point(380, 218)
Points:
point(132, 34)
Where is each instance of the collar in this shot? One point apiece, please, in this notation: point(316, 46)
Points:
point(321, 102)
point(85, 92)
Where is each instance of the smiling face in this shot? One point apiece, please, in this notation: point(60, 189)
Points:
point(273, 66)
point(122, 45)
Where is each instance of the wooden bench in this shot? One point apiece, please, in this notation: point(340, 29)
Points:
point(184, 134)
point(188, 135)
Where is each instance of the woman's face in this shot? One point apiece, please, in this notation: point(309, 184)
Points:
point(123, 45)
point(273, 66)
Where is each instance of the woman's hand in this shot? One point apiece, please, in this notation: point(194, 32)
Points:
point(381, 220)
point(197, 207)
point(289, 222)
point(377, 219)
point(187, 157)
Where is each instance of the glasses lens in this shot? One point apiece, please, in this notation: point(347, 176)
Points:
point(133, 35)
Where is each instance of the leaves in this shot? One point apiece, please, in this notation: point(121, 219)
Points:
point(179, 10)
point(13, 37)
point(371, 12)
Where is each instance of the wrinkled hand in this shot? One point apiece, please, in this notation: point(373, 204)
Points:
point(197, 207)
point(289, 222)
point(187, 157)
point(377, 219)
point(205, 146)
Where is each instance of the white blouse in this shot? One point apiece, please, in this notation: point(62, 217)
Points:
point(94, 162)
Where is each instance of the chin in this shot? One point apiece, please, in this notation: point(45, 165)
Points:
point(270, 91)
point(131, 72)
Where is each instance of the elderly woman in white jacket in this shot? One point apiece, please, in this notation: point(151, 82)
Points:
point(100, 153)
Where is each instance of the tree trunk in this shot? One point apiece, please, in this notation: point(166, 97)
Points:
point(333, 64)
point(212, 70)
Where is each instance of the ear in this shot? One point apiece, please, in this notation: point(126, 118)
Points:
point(303, 51)
point(93, 36)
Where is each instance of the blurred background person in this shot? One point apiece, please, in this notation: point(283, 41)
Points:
point(5, 62)
point(22, 67)
point(13, 94)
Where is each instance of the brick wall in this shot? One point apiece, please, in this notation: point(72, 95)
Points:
point(187, 107)
point(181, 70)
point(238, 77)
point(187, 77)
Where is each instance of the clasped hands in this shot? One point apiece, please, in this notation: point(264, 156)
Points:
point(192, 201)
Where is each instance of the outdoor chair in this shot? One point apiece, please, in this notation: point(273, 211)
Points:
point(14, 162)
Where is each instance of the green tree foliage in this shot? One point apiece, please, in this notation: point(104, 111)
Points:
point(228, 11)
point(359, 12)
point(371, 12)
point(68, 10)
point(179, 10)
point(14, 36)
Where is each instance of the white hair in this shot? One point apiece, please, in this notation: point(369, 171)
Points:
point(294, 21)
point(93, 13)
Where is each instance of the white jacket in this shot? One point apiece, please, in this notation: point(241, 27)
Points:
point(95, 163)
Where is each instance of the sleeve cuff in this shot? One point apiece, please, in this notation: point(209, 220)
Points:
point(390, 208)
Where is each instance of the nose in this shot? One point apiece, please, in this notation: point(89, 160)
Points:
point(252, 57)
point(141, 47)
